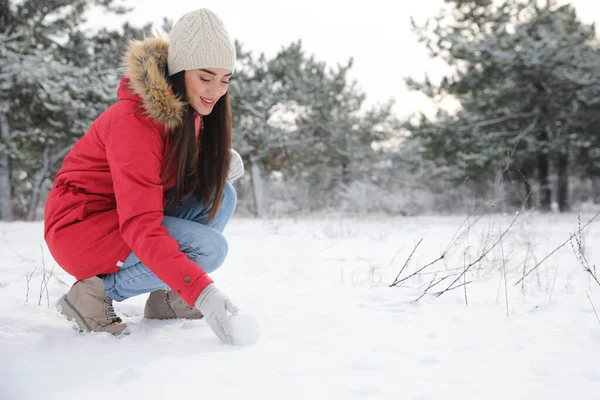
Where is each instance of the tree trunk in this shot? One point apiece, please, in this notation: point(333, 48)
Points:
point(40, 175)
point(543, 164)
point(35, 197)
point(257, 186)
point(563, 182)
point(596, 189)
point(6, 212)
point(526, 171)
point(345, 173)
point(498, 191)
point(528, 199)
point(38, 180)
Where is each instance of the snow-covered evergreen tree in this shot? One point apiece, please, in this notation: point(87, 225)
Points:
point(295, 116)
point(525, 75)
point(57, 79)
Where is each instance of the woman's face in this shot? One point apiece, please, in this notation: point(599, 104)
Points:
point(206, 86)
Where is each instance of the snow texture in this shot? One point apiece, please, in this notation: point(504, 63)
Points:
point(332, 328)
point(245, 329)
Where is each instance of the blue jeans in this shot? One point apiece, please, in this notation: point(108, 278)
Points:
point(200, 240)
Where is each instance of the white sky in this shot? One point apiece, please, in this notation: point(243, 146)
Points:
point(376, 34)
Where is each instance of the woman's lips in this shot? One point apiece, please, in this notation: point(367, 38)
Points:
point(207, 102)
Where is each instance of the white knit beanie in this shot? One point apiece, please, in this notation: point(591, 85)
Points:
point(199, 40)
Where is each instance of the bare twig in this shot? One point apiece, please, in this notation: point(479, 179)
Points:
point(42, 282)
point(481, 257)
point(396, 282)
point(395, 255)
point(417, 271)
point(46, 277)
point(553, 282)
point(426, 289)
point(504, 273)
point(594, 308)
point(458, 234)
point(28, 279)
point(465, 266)
point(579, 252)
point(60, 280)
point(555, 250)
point(42, 286)
point(46, 286)
point(465, 275)
point(456, 238)
point(525, 267)
point(431, 284)
point(452, 288)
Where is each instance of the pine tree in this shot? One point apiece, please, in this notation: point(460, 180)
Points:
point(57, 79)
point(522, 75)
point(294, 116)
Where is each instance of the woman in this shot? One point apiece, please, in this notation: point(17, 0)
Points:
point(109, 220)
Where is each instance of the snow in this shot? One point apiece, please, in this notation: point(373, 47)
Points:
point(245, 329)
point(332, 328)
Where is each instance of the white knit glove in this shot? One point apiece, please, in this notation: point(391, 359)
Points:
point(236, 166)
point(214, 305)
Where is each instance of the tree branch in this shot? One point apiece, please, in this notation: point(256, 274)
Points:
point(246, 106)
point(481, 124)
point(56, 157)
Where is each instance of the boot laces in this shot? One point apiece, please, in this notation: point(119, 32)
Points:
point(178, 300)
point(186, 305)
point(109, 310)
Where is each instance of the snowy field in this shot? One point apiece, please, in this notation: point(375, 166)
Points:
point(332, 328)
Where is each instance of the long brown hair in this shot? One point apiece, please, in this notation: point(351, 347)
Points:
point(200, 170)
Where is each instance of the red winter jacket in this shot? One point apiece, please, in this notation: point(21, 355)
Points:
point(108, 196)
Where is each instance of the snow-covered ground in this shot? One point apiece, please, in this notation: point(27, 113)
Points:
point(332, 328)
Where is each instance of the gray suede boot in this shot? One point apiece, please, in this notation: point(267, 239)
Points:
point(87, 304)
point(162, 304)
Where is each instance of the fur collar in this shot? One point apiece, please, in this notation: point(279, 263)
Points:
point(145, 63)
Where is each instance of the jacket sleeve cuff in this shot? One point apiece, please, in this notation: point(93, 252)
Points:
point(191, 291)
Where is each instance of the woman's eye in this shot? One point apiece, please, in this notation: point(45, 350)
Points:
point(204, 80)
point(225, 82)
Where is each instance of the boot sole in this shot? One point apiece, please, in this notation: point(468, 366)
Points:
point(149, 313)
point(168, 318)
point(67, 309)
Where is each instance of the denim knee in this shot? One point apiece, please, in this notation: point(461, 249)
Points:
point(229, 199)
point(208, 255)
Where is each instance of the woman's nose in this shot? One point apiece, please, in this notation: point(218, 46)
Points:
point(215, 90)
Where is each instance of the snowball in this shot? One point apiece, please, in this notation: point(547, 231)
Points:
point(245, 329)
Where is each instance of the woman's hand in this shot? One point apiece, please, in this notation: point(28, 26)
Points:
point(236, 166)
point(216, 307)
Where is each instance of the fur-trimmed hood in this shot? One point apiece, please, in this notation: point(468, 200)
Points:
point(145, 64)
